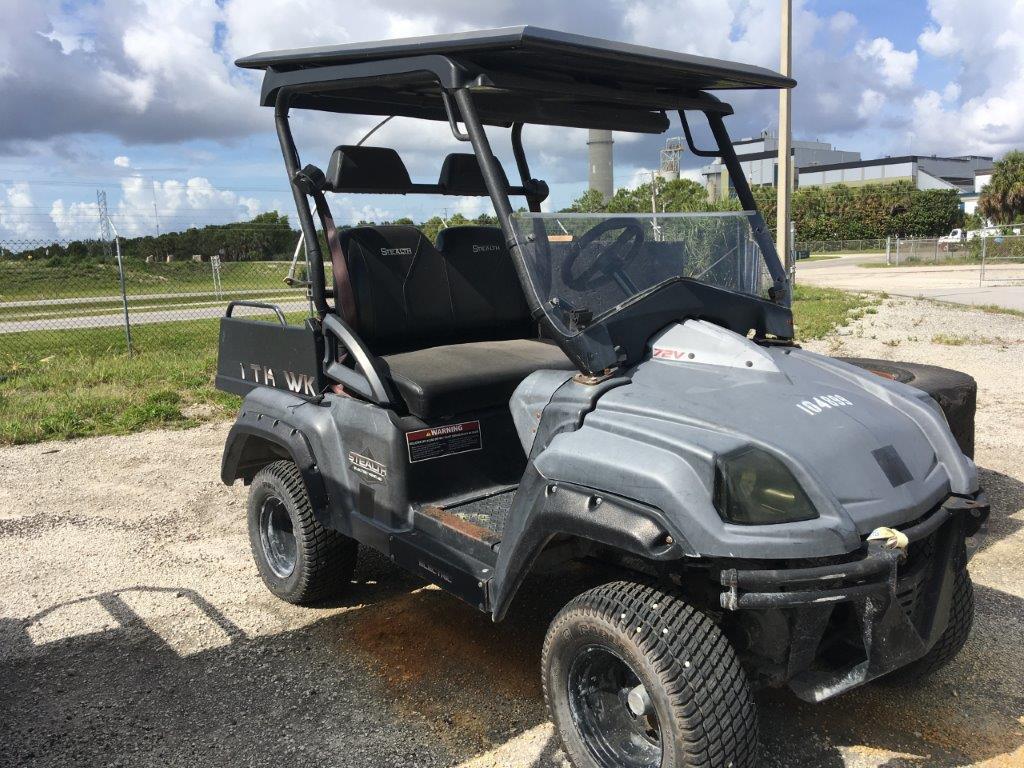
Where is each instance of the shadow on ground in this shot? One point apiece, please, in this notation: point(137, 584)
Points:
point(406, 675)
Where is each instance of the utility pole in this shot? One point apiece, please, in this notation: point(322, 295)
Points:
point(784, 183)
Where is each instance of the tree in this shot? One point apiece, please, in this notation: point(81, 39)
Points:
point(1002, 199)
point(590, 201)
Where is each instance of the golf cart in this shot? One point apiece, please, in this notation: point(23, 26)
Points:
point(616, 388)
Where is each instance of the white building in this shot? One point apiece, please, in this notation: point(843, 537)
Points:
point(969, 200)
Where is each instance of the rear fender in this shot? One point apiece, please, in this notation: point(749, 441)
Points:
point(256, 440)
point(543, 510)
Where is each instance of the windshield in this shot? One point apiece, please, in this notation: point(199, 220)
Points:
point(586, 267)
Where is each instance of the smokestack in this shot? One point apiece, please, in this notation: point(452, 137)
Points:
point(599, 148)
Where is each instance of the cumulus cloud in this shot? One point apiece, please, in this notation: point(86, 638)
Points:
point(938, 41)
point(147, 70)
point(75, 221)
point(842, 22)
point(162, 72)
point(871, 102)
point(146, 204)
point(982, 109)
point(896, 68)
point(17, 220)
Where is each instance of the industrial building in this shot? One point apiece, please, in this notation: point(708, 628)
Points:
point(924, 171)
point(759, 159)
point(818, 163)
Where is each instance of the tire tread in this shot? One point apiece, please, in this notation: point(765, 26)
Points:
point(710, 698)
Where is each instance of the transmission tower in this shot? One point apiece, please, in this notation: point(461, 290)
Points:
point(106, 235)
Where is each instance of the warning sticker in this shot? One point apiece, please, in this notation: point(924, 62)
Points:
point(437, 442)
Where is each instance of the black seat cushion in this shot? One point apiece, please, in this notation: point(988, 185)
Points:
point(487, 298)
point(458, 378)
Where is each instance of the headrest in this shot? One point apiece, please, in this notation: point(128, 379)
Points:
point(461, 175)
point(367, 169)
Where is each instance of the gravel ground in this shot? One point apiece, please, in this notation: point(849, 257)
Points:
point(134, 629)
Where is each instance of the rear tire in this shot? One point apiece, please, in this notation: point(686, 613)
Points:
point(626, 646)
point(299, 560)
point(955, 392)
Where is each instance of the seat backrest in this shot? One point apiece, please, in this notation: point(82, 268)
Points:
point(410, 295)
point(401, 288)
point(487, 298)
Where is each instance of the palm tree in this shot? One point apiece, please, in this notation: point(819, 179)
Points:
point(1002, 199)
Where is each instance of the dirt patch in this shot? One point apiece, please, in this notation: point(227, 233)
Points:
point(476, 682)
point(425, 637)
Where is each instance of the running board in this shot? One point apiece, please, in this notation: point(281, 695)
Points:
point(454, 571)
point(455, 532)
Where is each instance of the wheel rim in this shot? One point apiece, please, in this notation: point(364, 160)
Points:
point(600, 684)
point(278, 537)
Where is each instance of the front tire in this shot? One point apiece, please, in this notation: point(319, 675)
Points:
point(953, 638)
point(298, 559)
point(635, 677)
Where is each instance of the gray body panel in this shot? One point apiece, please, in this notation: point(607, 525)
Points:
point(649, 441)
point(655, 440)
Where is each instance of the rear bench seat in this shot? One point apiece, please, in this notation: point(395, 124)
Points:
point(450, 322)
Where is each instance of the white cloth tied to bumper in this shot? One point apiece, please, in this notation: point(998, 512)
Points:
point(890, 538)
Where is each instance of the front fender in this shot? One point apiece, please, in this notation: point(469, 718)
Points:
point(543, 510)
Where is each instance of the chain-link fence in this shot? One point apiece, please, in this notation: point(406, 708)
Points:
point(932, 250)
point(814, 247)
point(1002, 260)
point(58, 297)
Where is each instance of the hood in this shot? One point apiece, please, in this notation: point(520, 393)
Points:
point(879, 449)
point(866, 450)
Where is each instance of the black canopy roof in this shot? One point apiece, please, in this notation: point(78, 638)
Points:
point(518, 74)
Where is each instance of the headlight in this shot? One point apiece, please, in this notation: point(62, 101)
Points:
point(752, 487)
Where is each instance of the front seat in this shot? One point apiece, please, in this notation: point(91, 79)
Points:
point(450, 323)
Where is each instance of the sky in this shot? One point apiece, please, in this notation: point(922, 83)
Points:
point(140, 98)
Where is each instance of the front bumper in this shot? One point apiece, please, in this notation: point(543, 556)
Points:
point(900, 599)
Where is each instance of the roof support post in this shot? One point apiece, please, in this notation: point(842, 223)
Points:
point(785, 161)
point(317, 286)
point(488, 162)
point(746, 198)
point(532, 199)
point(498, 191)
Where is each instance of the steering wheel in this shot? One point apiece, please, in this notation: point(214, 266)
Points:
point(608, 265)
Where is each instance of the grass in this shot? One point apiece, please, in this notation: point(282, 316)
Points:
point(819, 311)
point(950, 340)
point(27, 280)
point(67, 384)
point(53, 390)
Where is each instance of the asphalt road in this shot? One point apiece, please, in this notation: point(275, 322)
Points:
point(114, 317)
point(1004, 284)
